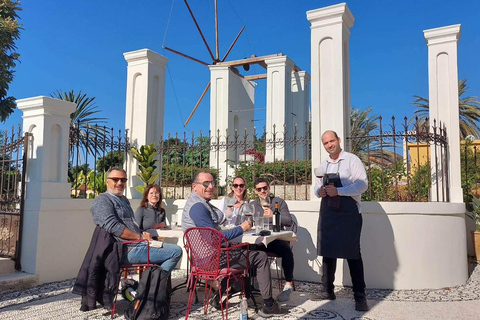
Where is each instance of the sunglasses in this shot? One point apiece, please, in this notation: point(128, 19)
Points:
point(242, 185)
point(262, 188)
point(205, 184)
point(115, 180)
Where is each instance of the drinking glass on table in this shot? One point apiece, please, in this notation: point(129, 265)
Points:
point(258, 221)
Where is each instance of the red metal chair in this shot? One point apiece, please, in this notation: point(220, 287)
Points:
point(206, 248)
point(138, 267)
point(273, 257)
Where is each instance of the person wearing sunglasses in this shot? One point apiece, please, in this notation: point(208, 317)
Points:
point(150, 214)
point(265, 203)
point(199, 212)
point(112, 212)
point(234, 203)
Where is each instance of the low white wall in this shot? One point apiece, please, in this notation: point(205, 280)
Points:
point(425, 248)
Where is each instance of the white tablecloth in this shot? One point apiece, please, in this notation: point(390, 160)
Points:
point(253, 238)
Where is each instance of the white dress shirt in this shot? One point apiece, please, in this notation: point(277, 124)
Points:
point(352, 175)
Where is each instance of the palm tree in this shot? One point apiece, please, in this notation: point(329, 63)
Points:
point(469, 109)
point(81, 132)
point(364, 143)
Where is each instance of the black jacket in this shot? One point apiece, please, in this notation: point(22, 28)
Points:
point(99, 274)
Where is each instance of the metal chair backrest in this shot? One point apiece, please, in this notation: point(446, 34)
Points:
point(204, 248)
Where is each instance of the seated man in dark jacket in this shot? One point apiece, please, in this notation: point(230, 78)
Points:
point(112, 212)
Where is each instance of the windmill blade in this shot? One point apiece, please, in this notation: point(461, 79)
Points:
point(200, 31)
point(185, 55)
point(216, 29)
point(198, 102)
point(233, 43)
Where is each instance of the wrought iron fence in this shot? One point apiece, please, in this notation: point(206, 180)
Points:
point(281, 156)
point(404, 162)
point(93, 150)
point(13, 163)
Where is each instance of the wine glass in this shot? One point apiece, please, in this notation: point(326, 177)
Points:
point(265, 202)
point(248, 211)
point(229, 212)
point(319, 172)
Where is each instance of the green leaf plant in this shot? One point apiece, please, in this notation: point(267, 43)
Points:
point(473, 209)
point(145, 157)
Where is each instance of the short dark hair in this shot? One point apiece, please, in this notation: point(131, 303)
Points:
point(195, 176)
point(115, 169)
point(260, 180)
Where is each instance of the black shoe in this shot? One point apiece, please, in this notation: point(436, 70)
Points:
point(323, 295)
point(215, 301)
point(361, 304)
point(274, 310)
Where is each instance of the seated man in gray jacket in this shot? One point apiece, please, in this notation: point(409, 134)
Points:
point(111, 211)
point(198, 212)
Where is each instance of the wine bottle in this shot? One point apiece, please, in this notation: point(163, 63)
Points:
point(276, 217)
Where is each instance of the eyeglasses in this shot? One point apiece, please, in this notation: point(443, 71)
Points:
point(115, 180)
point(242, 185)
point(261, 188)
point(154, 193)
point(205, 184)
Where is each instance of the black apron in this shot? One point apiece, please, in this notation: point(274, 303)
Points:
point(338, 231)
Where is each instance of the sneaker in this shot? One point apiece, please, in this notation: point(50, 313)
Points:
point(361, 304)
point(323, 295)
point(274, 310)
point(285, 294)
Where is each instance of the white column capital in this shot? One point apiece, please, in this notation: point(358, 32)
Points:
point(214, 67)
point(339, 13)
point(144, 55)
point(280, 61)
point(303, 75)
point(443, 34)
point(41, 105)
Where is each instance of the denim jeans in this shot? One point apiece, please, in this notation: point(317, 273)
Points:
point(167, 257)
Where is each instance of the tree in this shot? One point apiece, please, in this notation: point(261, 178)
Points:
point(111, 159)
point(198, 155)
point(469, 109)
point(83, 133)
point(365, 145)
point(9, 32)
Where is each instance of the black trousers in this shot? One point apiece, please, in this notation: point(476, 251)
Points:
point(356, 273)
point(282, 249)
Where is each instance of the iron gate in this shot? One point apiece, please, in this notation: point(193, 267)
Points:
point(13, 165)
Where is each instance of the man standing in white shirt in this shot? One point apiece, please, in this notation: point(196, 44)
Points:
point(341, 180)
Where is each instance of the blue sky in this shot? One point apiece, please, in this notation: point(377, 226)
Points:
point(80, 44)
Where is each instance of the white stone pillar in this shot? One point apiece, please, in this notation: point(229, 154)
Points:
point(279, 103)
point(300, 113)
point(48, 120)
point(443, 101)
point(145, 105)
point(330, 68)
point(231, 107)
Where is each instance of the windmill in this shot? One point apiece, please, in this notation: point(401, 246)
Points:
point(216, 60)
